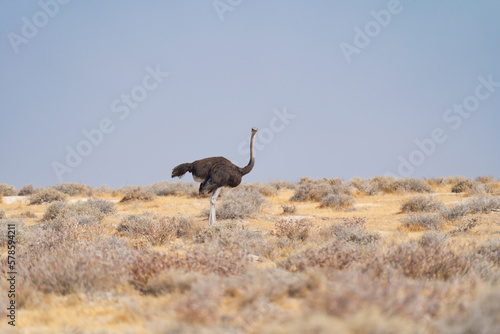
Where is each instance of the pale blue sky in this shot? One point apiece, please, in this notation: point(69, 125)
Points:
point(329, 101)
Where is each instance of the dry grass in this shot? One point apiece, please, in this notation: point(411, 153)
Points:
point(143, 266)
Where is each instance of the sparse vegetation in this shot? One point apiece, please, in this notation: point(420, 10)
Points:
point(157, 266)
point(7, 190)
point(421, 204)
point(421, 221)
point(47, 195)
point(27, 190)
point(138, 194)
point(240, 203)
point(337, 201)
point(289, 209)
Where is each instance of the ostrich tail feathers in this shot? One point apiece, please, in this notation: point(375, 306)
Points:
point(181, 169)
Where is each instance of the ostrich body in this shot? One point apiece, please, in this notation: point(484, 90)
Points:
point(215, 173)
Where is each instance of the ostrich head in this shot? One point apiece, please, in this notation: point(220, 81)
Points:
point(254, 130)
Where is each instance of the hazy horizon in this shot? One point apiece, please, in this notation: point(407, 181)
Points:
point(120, 92)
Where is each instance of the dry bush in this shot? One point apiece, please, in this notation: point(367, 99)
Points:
point(350, 230)
point(154, 228)
point(240, 203)
point(288, 209)
point(428, 261)
point(479, 314)
point(348, 292)
point(171, 281)
point(489, 250)
point(72, 189)
point(293, 229)
point(178, 188)
point(408, 185)
point(78, 266)
point(230, 235)
point(137, 194)
point(1, 198)
point(26, 190)
point(7, 190)
point(337, 201)
point(336, 255)
point(478, 204)
point(202, 304)
point(366, 187)
point(83, 212)
point(462, 186)
point(47, 195)
point(103, 190)
point(2, 212)
point(466, 226)
point(421, 204)
point(316, 190)
point(283, 185)
point(20, 231)
point(422, 221)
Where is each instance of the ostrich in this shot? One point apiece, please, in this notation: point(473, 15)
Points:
point(215, 173)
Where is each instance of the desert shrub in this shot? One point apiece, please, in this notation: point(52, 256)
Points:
point(455, 212)
point(178, 188)
point(366, 187)
point(83, 212)
point(485, 179)
point(336, 255)
point(428, 261)
point(138, 194)
point(293, 229)
point(489, 250)
point(72, 189)
point(78, 266)
point(315, 190)
point(2, 212)
point(103, 190)
point(337, 201)
point(27, 190)
point(1, 198)
point(466, 226)
point(431, 239)
point(171, 281)
point(20, 231)
point(421, 221)
point(47, 195)
point(478, 204)
point(288, 208)
point(350, 230)
point(155, 229)
point(240, 203)
point(283, 185)
point(231, 235)
point(421, 204)
point(482, 204)
point(462, 186)
point(476, 315)
point(408, 185)
point(27, 214)
point(7, 190)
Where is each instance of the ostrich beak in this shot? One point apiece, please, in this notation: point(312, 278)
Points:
point(254, 130)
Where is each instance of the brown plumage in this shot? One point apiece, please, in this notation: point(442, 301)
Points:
point(215, 173)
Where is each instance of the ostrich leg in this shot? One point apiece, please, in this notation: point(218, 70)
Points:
point(213, 200)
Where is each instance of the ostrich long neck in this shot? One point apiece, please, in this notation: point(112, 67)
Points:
point(248, 168)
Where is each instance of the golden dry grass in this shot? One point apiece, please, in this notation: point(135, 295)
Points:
point(245, 308)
